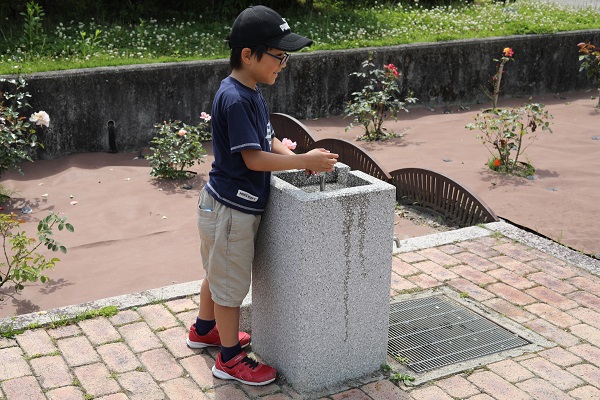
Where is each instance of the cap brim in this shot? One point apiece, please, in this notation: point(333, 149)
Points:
point(289, 42)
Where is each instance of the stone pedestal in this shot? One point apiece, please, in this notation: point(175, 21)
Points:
point(321, 277)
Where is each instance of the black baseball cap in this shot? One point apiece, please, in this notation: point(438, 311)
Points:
point(258, 25)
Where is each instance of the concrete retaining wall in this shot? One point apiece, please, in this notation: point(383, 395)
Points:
point(317, 84)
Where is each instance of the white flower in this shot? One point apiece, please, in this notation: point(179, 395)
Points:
point(40, 118)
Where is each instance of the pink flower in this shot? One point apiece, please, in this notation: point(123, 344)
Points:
point(392, 69)
point(580, 44)
point(206, 117)
point(182, 132)
point(288, 143)
point(508, 52)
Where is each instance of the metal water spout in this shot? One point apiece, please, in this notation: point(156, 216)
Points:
point(322, 182)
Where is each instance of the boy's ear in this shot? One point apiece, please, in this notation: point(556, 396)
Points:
point(246, 55)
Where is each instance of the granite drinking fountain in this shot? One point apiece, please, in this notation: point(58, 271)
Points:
point(321, 277)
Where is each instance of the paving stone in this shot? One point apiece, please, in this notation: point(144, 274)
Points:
point(430, 392)
point(548, 296)
point(552, 373)
point(66, 393)
point(410, 257)
point(588, 352)
point(474, 291)
point(403, 268)
point(590, 317)
point(7, 342)
point(457, 386)
point(439, 257)
point(511, 371)
point(491, 241)
point(161, 364)
point(139, 337)
point(472, 274)
point(481, 397)
point(140, 386)
point(260, 391)
point(585, 392)
point(587, 332)
point(589, 283)
point(552, 333)
point(552, 282)
point(77, 351)
point(400, 284)
point(424, 281)
point(587, 372)
point(564, 358)
point(515, 266)
point(180, 305)
point(561, 272)
point(118, 357)
point(481, 248)
point(51, 371)
point(13, 364)
point(497, 387)
point(277, 396)
point(451, 249)
point(99, 330)
point(25, 387)
point(157, 316)
point(174, 340)
point(182, 389)
point(552, 315)
point(64, 331)
point(475, 261)
point(229, 392)
point(540, 389)
point(509, 310)
point(125, 317)
point(199, 367)
point(96, 380)
point(510, 278)
point(517, 251)
point(352, 394)
point(510, 294)
point(36, 341)
point(585, 299)
point(115, 396)
point(187, 318)
point(384, 390)
point(435, 270)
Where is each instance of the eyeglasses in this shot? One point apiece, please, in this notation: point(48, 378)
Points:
point(282, 59)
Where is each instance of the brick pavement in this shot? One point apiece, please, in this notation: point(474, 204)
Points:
point(140, 353)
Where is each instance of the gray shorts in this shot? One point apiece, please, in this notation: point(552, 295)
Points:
point(227, 239)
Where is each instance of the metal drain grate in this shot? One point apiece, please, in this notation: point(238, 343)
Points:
point(433, 332)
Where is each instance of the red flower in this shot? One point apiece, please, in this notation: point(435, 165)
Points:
point(392, 68)
point(508, 52)
point(496, 163)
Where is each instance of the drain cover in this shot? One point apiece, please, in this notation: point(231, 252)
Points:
point(433, 332)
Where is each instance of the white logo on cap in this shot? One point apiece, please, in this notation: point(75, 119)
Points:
point(284, 27)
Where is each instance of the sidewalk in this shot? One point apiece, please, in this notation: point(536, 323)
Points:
point(140, 352)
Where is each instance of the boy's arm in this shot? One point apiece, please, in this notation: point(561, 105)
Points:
point(280, 148)
point(319, 160)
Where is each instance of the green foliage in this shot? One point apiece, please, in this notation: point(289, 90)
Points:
point(17, 134)
point(503, 132)
point(378, 100)
point(590, 62)
point(177, 146)
point(407, 380)
point(88, 43)
point(33, 33)
point(21, 262)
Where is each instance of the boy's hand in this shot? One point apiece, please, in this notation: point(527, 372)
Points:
point(320, 160)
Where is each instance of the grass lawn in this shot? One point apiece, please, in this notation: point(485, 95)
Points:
point(32, 45)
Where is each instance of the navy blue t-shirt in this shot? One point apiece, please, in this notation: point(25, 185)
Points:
point(240, 121)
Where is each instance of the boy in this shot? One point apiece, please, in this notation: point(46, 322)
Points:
point(231, 203)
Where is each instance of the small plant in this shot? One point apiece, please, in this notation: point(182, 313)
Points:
point(87, 44)
point(17, 133)
point(407, 380)
point(21, 262)
point(178, 146)
point(590, 62)
point(503, 131)
point(378, 100)
point(495, 81)
point(33, 34)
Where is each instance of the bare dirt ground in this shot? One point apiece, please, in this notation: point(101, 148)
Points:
point(133, 232)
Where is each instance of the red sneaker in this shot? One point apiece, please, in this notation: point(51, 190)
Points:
point(212, 338)
point(245, 370)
